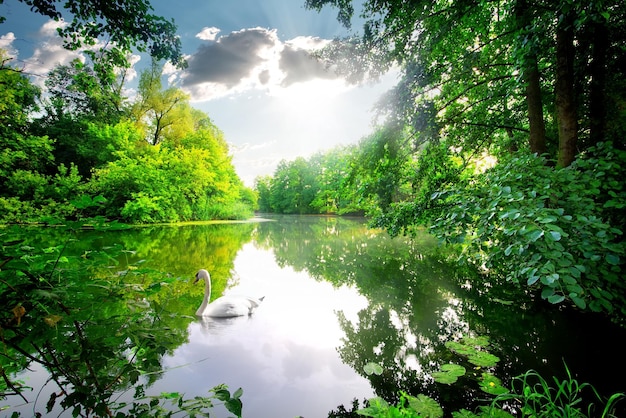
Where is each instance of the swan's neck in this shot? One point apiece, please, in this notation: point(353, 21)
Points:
point(206, 299)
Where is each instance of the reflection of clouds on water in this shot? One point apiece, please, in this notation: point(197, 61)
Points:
point(283, 356)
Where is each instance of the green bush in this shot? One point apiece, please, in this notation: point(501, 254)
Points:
point(552, 229)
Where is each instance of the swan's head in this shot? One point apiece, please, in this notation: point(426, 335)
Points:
point(202, 274)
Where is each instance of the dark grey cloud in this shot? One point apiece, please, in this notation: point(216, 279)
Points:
point(255, 55)
point(229, 59)
point(300, 65)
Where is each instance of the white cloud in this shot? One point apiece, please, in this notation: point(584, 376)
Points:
point(208, 34)
point(50, 52)
point(131, 72)
point(251, 59)
point(310, 43)
point(6, 43)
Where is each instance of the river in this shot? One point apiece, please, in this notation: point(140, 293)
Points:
point(338, 296)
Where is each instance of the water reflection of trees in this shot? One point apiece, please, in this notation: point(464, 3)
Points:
point(418, 301)
point(413, 300)
point(98, 310)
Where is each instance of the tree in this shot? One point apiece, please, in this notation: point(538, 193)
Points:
point(491, 85)
point(191, 179)
point(78, 91)
point(78, 99)
point(262, 185)
point(489, 68)
point(31, 185)
point(162, 112)
point(20, 149)
point(121, 26)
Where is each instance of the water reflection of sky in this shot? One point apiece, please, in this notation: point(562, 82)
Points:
point(284, 356)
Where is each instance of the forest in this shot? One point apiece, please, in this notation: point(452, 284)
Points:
point(504, 137)
point(85, 150)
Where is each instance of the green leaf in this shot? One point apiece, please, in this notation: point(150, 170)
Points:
point(574, 288)
point(459, 348)
point(483, 359)
point(550, 278)
point(444, 378)
point(449, 373)
point(547, 219)
point(532, 280)
point(554, 235)
point(574, 272)
point(238, 393)
point(535, 234)
point(425, 406)
point(373, 368)
point(554, 299)
point(612, 259)
point(491, 412)
point(547, 292)
point(568, 280)
point(480, 341)
point(222, 394)
point(464, 413)
point(492, 385)
point(579, 302)
point(235, 406)
point(378, 407)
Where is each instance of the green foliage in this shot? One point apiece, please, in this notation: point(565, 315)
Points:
point(126, 25)
point(164, 114)
point(535, 396)
point(436, 169)
point(490, 78)
point(32, 196)
point(449, 373)
point(188, 175)
point(320, 184)
point(79, 93)
point(162, 184)
point(474, 351)
point(373, 368)
point(19, 148)
point(168, 404)
point(346, 180)
point(60, 313)
point(409, 406)
point(486, 73)
point(531, 395)
point(555, 229)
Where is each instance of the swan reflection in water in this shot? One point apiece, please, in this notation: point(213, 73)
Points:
point(221, 325)
point(225, 306)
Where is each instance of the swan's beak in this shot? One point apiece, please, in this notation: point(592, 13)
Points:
point(197, 279)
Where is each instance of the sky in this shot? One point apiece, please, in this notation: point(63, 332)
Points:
point(250, 70)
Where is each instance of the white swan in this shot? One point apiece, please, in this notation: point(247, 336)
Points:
point(226, 306)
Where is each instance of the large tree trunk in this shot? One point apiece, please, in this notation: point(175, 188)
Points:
point(564, 91)
point(530, 70)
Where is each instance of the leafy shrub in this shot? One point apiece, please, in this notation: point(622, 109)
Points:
point(538, 226)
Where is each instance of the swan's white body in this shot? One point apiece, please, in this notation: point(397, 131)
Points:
point(226, 306)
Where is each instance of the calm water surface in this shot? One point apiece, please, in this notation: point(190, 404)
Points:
point(337, 296)
point(284, 356)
